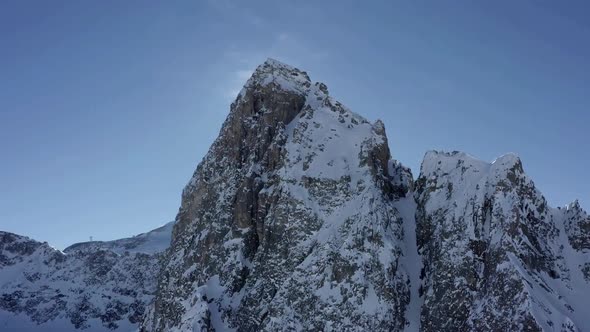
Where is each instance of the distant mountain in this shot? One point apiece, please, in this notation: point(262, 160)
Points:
point(95, 286)
point(152, 242)
point(298, 219)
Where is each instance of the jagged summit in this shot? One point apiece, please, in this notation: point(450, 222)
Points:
point(485, 231)
point(280, 75)
point(443, 161)
point(273, 77)
point(507, 158)
point(440, 162)
point(575, 205)
point(278, 65)
point(436, 156)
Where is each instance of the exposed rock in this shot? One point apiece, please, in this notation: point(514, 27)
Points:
point(577, 227)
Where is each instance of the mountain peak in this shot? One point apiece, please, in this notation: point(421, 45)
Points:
point(574, 206)
point(271, 62)
point(508, 161)
point(440, 162)
point(445, 161)
point(281, 75)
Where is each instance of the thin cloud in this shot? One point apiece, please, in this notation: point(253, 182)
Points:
point(283, 36)
point(245, 13)
point(238, 78)
point(285, 47)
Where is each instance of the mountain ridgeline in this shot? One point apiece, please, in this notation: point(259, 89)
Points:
point(298, 219)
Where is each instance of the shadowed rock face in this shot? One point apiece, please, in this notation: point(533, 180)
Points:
point(577, 227)
point(287, 220)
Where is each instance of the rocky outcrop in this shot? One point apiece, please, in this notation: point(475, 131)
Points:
point(577, 227)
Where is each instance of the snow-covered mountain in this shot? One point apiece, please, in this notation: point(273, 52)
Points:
point(299, 219)
point(95, 286)
point(495, 255)
point(288, 221)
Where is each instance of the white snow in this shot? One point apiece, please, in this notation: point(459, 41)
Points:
point(411, 261)
point(10, 322)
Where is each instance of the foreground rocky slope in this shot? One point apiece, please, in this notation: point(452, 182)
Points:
point(298, 219)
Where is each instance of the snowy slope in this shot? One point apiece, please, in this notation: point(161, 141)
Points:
point(10, 322)
point(412, 261)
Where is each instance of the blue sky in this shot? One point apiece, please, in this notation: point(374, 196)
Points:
point(106, 107)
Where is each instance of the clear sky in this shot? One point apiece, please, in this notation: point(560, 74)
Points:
point(106, 107)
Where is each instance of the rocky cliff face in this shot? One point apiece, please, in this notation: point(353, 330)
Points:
point(298, 219)
point(287, 222)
